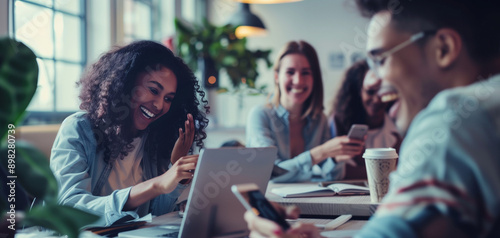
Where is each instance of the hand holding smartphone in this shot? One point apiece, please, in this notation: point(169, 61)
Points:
point(358, 131)
point(253, 200)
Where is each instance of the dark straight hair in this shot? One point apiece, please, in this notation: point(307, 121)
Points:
point(477, 21)
point(348, 106)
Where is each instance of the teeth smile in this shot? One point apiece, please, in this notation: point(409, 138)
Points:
point(297, 90)
point(389, 97)
point(148, 114)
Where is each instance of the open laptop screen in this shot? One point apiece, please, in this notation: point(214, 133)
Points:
point(212, 210)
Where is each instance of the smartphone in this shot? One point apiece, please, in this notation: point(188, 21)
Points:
point(278, 171)
point(358, 131)
point(253, 200)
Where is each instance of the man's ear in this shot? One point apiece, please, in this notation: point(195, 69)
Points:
point(449, 47)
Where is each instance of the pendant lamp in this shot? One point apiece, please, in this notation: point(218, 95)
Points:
point(248, 23)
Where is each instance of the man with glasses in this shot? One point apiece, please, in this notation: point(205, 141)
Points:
point(443, 58)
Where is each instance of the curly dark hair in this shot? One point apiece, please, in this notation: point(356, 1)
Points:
point(348, 105)
point(106, 90)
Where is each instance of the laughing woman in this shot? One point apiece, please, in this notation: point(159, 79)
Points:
point(126, 154)
point(294, 122)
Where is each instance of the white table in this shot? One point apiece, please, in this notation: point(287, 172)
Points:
point(324, 206)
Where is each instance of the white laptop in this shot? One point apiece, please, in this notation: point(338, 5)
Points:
point(212, 210)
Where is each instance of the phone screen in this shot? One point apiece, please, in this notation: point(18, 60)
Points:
point(358, 131)
point(258, 201)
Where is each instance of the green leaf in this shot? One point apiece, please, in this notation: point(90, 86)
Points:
point(63, 219)
point(18, 81)
point(220, 44)
point(230, 61)
point(183, 28)
point(33, 171)
point(222, 90)
point(215, 49)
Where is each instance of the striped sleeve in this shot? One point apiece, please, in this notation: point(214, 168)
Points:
point(448, 164)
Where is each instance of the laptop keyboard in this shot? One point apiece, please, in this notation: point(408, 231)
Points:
point(171, 234)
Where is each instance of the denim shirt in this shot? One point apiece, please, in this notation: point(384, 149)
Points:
point(269, 126)
point(81, 172)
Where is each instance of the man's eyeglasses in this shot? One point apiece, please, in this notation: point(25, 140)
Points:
point(375, 61)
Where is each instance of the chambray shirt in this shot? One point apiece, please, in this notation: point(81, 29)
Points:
point(449, 165)
point(269, 126)
point(81, 172)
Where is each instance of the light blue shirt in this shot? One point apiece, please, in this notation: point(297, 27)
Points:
point(449, 165)
point(81, 172)
point(269, 126)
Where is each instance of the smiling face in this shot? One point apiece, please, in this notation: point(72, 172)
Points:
point(374, 107)
point(409, 70)
point(294, 80)
point(152, 97)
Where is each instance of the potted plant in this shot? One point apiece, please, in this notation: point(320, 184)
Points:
point(23, 164)
point(211, 48)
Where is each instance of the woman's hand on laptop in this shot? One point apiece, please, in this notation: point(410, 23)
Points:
point(182, 169)
point(185, 140)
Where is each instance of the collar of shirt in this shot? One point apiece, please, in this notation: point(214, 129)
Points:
point(282, 113)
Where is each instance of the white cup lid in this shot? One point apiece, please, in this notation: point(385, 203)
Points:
point(380, 153)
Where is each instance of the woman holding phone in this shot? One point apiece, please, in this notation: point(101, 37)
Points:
point(294, 122)
point(126, 154)
point(358, 102)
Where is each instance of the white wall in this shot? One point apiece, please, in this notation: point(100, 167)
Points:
point(331, 26)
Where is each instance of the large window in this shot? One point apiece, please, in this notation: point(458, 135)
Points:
point(55, 31)
point(66, 35)
point(140, 19)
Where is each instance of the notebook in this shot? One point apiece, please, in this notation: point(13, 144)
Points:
point(156, 231)
point(335, 189)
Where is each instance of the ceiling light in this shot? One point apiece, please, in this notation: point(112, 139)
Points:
point(248, 24)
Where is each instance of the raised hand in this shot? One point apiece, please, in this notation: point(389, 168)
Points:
point(185, 140)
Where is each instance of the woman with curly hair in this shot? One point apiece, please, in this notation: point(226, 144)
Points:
point(294, 122)
point(358, 102)
point(126, 154)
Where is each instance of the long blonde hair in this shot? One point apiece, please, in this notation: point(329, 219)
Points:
point(314, 103)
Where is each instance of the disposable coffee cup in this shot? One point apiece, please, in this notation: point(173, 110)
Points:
point(380, 162)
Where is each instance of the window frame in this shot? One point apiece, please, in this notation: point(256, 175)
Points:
point(152, 23)
point(38, 115)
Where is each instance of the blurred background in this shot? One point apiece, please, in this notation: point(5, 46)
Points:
point(68, 35)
